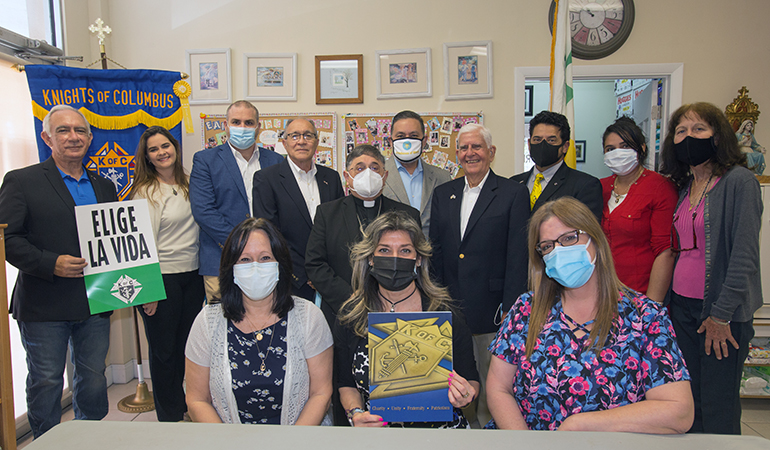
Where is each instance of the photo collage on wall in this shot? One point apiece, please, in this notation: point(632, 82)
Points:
point(272, 126)
point(440, 149)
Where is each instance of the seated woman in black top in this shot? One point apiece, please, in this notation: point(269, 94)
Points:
point(390, 273)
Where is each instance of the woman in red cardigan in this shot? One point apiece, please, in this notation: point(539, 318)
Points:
point(638, 210)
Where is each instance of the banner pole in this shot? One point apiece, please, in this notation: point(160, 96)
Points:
point(143, 400)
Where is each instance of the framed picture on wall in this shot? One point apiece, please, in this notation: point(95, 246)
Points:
point(580, 151)
point(270, 76)
point(529, 92)
point(404, 73)
point(339, 79)
point(468, 70)
point(209, 71)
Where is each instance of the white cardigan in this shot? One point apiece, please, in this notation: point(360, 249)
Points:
point(307, 335)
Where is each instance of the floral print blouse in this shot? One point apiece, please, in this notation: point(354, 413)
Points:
point(563, 377)
point(258, 392)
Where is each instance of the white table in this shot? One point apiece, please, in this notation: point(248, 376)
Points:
point(85, 435)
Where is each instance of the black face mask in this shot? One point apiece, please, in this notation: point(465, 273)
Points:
point(693, 151)
point(393, 274)
point(543, 153)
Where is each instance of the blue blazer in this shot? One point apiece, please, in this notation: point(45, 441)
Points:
point(218, 199)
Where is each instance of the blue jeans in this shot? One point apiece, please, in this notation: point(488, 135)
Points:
point(46, 347)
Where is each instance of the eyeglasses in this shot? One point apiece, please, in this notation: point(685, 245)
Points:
point(565, 240)
point(675, 237)
point(296, 136)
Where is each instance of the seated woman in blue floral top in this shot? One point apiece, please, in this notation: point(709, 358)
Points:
point(603, 357)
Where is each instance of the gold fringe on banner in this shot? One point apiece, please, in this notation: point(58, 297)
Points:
point(119, 122)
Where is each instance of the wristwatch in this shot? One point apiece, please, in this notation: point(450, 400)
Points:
point(352, 412)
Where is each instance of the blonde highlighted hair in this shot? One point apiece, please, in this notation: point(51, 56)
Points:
point(365, 299)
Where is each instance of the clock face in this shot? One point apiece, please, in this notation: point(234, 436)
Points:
point(598, 27)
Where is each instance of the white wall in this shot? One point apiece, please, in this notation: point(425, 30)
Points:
point(594, 111)
point(723, 45)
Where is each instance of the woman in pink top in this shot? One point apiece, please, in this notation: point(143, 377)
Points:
point(716, 286)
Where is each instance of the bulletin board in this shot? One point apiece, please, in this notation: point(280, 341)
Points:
point(440, 149)
point(271, 131)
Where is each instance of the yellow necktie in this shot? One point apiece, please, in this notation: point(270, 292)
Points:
point(537, 189)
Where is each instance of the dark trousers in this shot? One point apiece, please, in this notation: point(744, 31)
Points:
point(167, 332)
point(715, 383)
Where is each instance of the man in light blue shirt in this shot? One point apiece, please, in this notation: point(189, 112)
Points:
point(416, 181)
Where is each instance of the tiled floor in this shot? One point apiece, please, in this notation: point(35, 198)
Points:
point(756, 412)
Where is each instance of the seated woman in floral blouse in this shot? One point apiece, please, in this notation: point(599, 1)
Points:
point(603, 357)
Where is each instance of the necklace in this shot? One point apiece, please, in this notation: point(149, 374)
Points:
point(393, 304)
point(267, 350)
point(173, 190)
point(703, 194)
point(616, 195)
point(257, 331)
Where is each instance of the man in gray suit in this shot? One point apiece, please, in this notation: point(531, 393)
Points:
point(416, 181)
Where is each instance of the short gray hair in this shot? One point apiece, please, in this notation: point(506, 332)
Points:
point(57, 108)
point(471, 127)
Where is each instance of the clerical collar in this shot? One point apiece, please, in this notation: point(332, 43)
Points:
point(367, 203)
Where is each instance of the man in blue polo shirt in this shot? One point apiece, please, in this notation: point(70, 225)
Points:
point(49, 300)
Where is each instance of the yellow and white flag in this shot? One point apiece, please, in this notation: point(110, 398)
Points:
point(561, 72)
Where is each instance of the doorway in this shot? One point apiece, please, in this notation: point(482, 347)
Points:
point(656, 86)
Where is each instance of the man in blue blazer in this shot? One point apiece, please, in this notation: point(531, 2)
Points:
point(49, 300)
point(287, 194)
point(220, 186)
point(478, 230)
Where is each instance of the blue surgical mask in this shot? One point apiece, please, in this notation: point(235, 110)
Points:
point(242, 137)
point(570, 266)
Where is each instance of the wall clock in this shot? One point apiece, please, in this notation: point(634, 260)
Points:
point(598, 27)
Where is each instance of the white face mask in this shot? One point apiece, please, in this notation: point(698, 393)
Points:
point(256, 280)
point(621, 161)
point(367, 183)
point(407, 149)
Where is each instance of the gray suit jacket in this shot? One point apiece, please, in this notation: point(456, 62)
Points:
point(432, 176)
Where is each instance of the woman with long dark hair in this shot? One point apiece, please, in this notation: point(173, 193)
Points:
point(260, 356)
point(716, 286)
point(160, 178)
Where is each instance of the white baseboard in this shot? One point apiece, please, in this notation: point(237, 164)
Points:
point(123, 373)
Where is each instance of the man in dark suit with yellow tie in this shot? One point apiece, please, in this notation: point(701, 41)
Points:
point(551, 178)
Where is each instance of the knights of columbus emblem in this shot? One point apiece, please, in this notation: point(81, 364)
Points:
point(115, 165)
point(126, 289)
point(407, 360)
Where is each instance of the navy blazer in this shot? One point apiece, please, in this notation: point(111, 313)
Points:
point(40, 213)
point(487, 268)
point(327, 258)
point(218, 199)
point(569, 182)
point(277, 198)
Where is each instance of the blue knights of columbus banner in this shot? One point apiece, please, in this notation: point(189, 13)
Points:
point(119, 105)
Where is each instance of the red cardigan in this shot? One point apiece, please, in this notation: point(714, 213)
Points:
point(639, 229)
